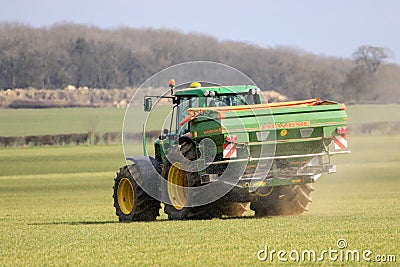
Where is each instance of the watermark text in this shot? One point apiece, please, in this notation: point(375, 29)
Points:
point(339, 253)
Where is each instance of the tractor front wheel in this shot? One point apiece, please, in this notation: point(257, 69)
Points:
point(130, 201)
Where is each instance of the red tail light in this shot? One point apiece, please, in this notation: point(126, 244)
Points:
point(342, 130)
point(231, 138)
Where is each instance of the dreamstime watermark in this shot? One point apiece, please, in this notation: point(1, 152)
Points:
point(340, 253)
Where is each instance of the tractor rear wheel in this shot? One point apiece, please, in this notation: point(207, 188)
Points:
point(283, 200)
point(178, 183)
point(130, 201)
point(233, 209)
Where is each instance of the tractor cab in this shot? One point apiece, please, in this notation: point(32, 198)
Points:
point(195, 95)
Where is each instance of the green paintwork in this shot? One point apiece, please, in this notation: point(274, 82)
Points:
point(323, 119)
point(285, 130)
point(280, 181)
point(221, 90)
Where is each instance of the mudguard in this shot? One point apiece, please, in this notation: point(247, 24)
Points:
point(149, 179)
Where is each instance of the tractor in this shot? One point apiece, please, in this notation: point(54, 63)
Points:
point(226, 150)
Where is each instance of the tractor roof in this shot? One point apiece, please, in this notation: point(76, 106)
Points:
point(219, 90)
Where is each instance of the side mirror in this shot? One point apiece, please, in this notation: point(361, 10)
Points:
point(148, 104)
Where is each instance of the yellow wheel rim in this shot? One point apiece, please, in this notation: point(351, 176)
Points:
point(177, 186)
point(126, 195)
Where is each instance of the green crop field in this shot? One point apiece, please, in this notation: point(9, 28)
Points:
point(56, 209)
point(22, 122)
point(373, 113)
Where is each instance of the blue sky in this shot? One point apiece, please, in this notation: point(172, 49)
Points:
point(333, 28)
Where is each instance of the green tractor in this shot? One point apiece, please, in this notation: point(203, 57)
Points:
point(226, 151)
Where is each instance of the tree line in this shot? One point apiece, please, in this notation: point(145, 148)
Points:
point(87, 56)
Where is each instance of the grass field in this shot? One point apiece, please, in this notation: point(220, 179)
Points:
point(56, 209)
point(61, 213)
point(22, 122)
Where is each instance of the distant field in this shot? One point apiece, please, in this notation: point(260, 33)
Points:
point(373, 113)
point(22, 122)
point(56, 209)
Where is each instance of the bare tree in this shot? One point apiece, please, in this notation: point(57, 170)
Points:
point(371, 57)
